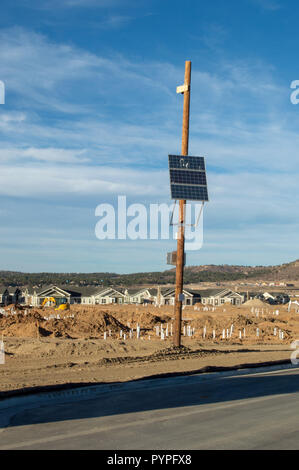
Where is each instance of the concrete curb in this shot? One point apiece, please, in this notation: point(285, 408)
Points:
point(8, 396)
point(11, 406)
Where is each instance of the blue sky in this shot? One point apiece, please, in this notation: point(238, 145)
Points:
point(91, 113)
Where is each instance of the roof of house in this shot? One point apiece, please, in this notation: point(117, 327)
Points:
point(10, 289)
point(73, 291)
point(210, 292)
point(153, 291)
point(194, 291)
point(252, 294)
point(136, 291)
point(3, 289)
point(167, 290)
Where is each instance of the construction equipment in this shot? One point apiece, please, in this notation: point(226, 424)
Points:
point(64, 306)
point(48, 299)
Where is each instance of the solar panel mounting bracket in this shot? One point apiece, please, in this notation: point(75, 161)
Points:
point(171, 224)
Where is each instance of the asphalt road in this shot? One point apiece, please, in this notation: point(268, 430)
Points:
point(248, 411)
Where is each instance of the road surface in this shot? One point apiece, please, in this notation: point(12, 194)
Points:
point(257, 410)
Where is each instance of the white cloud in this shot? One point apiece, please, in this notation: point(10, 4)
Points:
point(235, 112)
point(113, 21)
point(13, 117)
point(84, 110)
point(44, 154)
point(44, 180)
point(60, 4)
point(65, 78)
point(271, 5)
point(214, 36)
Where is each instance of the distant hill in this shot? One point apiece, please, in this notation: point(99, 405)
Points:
point(283, 272)
point(193, 274)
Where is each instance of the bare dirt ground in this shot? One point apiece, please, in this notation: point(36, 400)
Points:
point(41, 351)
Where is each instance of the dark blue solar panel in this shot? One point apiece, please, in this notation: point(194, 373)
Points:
point(192, 193)
point(187, 163)
point(188, 178)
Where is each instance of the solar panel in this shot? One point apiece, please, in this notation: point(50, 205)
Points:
point(188, 178)
point(191, 163)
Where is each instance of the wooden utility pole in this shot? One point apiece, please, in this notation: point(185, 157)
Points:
point(185, 89)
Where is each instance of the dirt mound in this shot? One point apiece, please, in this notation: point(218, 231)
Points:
point(95, 323)
point(23, 326)
point(242, 320)
point(146, 320)
point(20, 330)
point(254, 303)
point(173, 350)
point(205, 320)
point(85, 324)
point(221, 321)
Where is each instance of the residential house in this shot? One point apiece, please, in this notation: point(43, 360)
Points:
point(168, 297)
point(216, 297)
point(141, 296)
point(93, 295)
point(11, 295)
point(79, 295)
point(107, 295)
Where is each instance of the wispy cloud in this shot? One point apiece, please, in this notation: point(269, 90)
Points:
point(214, 36)
point(67, 78)
point(113, 22)
point(50, 75)
point(43, 154)
point(271, 5)
point(60, 4)
point(80, 126)
point(100, 182)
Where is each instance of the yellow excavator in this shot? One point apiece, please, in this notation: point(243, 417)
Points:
point(65, 306)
